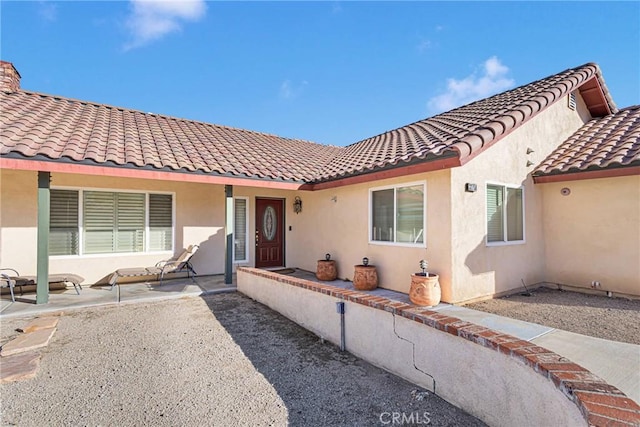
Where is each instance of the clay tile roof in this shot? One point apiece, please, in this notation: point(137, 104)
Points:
point(34, 125)
point(45, 127)
point(604, 143)
point(466, 131)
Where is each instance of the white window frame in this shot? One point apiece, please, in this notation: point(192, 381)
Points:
point(145, 252)
point(504, 219)
point(395, 215)
point(246, 232)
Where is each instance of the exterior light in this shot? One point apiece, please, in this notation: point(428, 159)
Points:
point(297, 205)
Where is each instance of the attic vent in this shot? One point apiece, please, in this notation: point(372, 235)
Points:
point(572, 101)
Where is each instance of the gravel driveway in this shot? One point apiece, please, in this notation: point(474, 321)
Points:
point(219, 360)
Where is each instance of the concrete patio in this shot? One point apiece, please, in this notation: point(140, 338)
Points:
point(91, 296)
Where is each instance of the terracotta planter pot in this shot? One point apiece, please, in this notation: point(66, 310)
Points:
point(365, 278)
point(425, 290)
point(326, 270)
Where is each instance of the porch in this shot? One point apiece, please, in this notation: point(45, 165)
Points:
point(91, 296)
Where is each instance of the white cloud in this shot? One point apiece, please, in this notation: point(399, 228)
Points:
point(291, 91)
point(151, 20)
point(473, 87)
point(47, 11)
point(424, 45)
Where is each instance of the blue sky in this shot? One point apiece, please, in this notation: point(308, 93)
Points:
point(329, 72)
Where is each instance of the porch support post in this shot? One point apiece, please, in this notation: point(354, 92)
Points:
point(228, 243)
point(44, 200)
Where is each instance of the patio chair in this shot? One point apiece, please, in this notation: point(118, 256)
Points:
point(174, 265)
point(21, 281)
point(8, 282)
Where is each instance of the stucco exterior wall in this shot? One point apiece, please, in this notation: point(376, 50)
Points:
point(199, 219)
point(593, 234)
point(341, 228)
point(480, 270)
point(488, 384)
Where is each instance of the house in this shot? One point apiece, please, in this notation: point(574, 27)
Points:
point(92, 188)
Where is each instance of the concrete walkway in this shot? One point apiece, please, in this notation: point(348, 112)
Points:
point(615, 362)
point(92, 296)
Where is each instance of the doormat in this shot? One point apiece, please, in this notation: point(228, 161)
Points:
point(284, 271)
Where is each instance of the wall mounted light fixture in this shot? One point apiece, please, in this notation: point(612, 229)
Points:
point(297, 205)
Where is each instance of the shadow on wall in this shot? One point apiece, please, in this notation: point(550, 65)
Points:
point(500, 268)
point(210, 253)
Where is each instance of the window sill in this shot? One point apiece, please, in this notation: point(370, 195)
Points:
point(400, 245)
point(112, 255)
point(515, 242)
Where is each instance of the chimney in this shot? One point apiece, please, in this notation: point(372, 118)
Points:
point(9, 77)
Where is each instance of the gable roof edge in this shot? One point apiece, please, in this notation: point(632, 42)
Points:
point(478, 141)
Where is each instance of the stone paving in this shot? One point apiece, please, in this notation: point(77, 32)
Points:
point(19, 359)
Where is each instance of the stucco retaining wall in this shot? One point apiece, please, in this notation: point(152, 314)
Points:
point(498, 378)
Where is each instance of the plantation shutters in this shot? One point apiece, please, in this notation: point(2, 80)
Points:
point(505, 213)
point(240, 230)
point(495, 219)
point(63, 227)
point(160, 222)
point(113, 222)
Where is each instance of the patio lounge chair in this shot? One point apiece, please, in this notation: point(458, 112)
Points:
point(161, 269)
point(21, 281)
point(8, 282)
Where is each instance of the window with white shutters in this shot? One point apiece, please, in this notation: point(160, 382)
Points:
point(63, 226)
point(160, 222)
point(240, 230)
point(111, 222)
point(505, 214)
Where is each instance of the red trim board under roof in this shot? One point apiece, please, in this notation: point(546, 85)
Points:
point(121, 172)
point(593, 174)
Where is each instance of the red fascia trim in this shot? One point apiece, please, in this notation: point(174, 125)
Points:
point(71, 168)
point(435, 165)
point(577, 176)
point(466, 159)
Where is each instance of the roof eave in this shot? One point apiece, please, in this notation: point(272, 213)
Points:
point(123, 171)
point(432, 164)
point(611, 172)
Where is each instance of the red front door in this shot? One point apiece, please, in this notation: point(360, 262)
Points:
point(269, 233)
